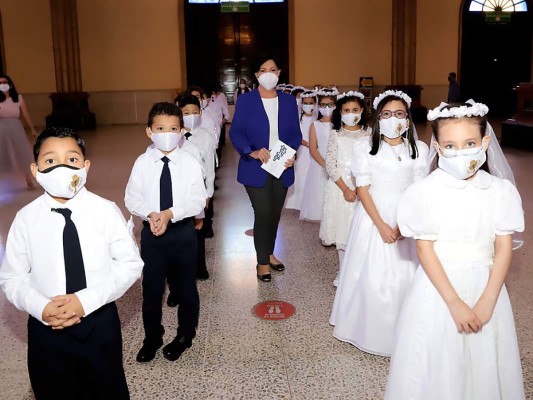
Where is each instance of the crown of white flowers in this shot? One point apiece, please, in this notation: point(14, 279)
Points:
point(396, 93)
point(351, 93)
point(474, 110)
point(308, 93)
point(298, 88)
point(328, 92)
point(281, 86)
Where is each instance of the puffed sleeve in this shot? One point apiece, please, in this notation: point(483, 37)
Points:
point(509, 212)
point(421, 169)
point(361, 167)
point(415, 216)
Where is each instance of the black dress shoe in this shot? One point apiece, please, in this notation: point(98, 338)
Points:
point(172, 300)
point(208, 232)
point(175, 349)
point(277, 267)
point(263, 278)
point(148, 351)
point(202, 274)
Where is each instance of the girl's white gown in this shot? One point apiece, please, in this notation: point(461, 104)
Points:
point(431, 360)
point(375, 277)
point(317, 177)
point(301, 166)
point(337, 213)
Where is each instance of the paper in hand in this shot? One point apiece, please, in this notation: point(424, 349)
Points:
point(279, 154)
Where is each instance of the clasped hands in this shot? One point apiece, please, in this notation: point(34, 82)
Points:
point(471, 320)
point(159, 221)
point(63, 311)
point(263, 155)
point(388, 234)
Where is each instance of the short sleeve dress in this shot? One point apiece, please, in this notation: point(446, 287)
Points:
point(431, 360)
point(375, 276)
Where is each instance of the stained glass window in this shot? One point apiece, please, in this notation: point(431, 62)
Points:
point(498, 5)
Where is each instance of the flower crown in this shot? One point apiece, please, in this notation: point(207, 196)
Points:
point(396, 93)
point(281, 86)
point(475, 110)
point(298, 88)
point(308, 93)
point(328, 92)
point(351, 93)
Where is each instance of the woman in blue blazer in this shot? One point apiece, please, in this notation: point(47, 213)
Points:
point(263, 116)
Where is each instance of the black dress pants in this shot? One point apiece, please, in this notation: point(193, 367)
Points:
point(175, 250)
point(267, 202)
point(63, 366)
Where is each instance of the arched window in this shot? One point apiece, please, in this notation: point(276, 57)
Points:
point(498, 5)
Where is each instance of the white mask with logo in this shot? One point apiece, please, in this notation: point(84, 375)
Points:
point(351, 119)
point(192, 121)
point(268, 80)
point(462, 164)
point(165, 141)
point(62, 180)
point(308, 108)
point(393, 127)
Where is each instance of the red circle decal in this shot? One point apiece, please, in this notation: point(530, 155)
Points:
point(274, 310)
point(249, 232)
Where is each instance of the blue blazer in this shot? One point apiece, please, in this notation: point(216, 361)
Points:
point(250, 131)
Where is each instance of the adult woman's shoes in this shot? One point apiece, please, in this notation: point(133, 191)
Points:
point(277, 267)
point(264, 277)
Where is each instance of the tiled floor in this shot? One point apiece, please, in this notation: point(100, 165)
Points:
point(236, 355)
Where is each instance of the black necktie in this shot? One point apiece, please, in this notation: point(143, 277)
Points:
point(165, 187)
point(74, 268)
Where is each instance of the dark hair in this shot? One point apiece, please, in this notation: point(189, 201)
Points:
point(262, 58)
point(319, 97)
point(297, 90)
point(60, 133)
point(12, 90)
point(336, 117)
point(376, 134)
point(164, 108)
point(314, 99)
point(480, 121)
point(184, 99)
point(453, 75)
point(194, 89)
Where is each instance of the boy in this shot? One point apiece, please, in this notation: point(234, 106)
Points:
point(69, 255)
point(166, 189)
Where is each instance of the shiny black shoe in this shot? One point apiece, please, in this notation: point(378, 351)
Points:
point(175, 349)
point(172, 300)
point(277, 267)
point(208, 232)
point(202, 274)
point(263, 278)
point(148, 350)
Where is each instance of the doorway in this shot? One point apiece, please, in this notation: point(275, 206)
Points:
point(220, 47)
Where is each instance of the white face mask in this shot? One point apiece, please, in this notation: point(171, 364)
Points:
point(62, 180)
point(462, 164)
point(308, 108)
point(268, 80)
point(326, 111)
point(393, 127)
point(351, 119)
point(4, 87)
point(242, 85)
point(166, 141)
point(192, 121)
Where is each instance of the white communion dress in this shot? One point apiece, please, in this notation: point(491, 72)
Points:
point(431, 360)
point(375, 276)
point(317, 177)
point(301, 166)
point(337, 213)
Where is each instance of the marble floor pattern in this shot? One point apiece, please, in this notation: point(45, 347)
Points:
point(235, 354)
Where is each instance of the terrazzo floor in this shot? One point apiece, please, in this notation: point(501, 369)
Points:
point(235, 354)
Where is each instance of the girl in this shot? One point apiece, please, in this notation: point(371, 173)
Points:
point(315, 182)
point(349, 123)
point(241, 89)
point(15, 150)
point(456, 337)
point(378, 266)
point(297, 92)
point(303, 159)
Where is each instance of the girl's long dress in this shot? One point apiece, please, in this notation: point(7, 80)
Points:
point(301, 167)
point(317, 177)
point(15, 150)
point(431, 360)
point(337, 213)
point(375, 277)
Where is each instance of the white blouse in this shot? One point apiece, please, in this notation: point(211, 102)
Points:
point(271, 109)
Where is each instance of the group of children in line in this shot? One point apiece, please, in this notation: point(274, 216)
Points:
point(437, 304)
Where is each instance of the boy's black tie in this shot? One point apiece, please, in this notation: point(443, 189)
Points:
point(165, 187)
point(74, 268)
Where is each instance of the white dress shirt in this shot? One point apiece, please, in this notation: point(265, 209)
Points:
point(204, 142)
point(33, 269)
point(222, 102)
point(271, 109)
point(188, 189)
